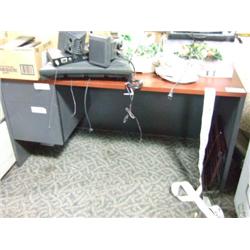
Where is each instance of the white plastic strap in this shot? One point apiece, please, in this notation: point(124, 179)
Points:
point(192, 195)
point(207, 114)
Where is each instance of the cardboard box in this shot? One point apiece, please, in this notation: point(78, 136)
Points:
point(23, 63)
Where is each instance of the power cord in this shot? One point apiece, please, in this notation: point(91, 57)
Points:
point(85, 107)
point(119, 54)
point(130, 114)
point(171, 92)
point(131, 87)
point(73, 97)
point(52, 99)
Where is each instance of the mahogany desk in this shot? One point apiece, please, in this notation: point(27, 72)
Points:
point(153, 83)
point(229, 104)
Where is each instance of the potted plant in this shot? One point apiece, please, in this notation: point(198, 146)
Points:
point(141, 52)
point(201, 52)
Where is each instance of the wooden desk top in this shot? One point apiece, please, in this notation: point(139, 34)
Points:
point(153, 83)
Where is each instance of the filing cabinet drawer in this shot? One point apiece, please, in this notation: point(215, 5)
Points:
point(27, 92)
point(35, 122)
point(33, 114)
point(41, 113)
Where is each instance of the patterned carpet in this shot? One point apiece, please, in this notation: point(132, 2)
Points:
point(105, 174)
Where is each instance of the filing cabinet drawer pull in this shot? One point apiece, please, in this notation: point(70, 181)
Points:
point(41, 86)
point(38, 110)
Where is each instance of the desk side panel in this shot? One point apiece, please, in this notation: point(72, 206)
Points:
point(71, 105)
point(230, 110)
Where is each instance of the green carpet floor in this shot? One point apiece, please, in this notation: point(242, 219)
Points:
point(105, 174)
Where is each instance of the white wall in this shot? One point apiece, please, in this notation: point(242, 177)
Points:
point(242, 62)
point(40, 35)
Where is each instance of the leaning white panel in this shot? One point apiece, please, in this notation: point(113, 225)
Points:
point(242, 196)
point(1, 112)
point(7, 157)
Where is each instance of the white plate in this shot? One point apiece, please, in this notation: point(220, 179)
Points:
point(177, 75)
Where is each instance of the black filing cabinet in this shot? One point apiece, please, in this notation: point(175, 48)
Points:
point(42, 113)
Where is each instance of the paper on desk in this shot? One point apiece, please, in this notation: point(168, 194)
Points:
point(234, 90)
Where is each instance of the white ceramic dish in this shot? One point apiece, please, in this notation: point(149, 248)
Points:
point(177, 75)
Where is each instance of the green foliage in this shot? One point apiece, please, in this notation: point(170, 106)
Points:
point(213, 54)
point(148, 51)
point(126, 37)
point(200, 51)
point(129, 51)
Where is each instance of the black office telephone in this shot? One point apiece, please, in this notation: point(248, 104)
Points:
point(203, 36)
